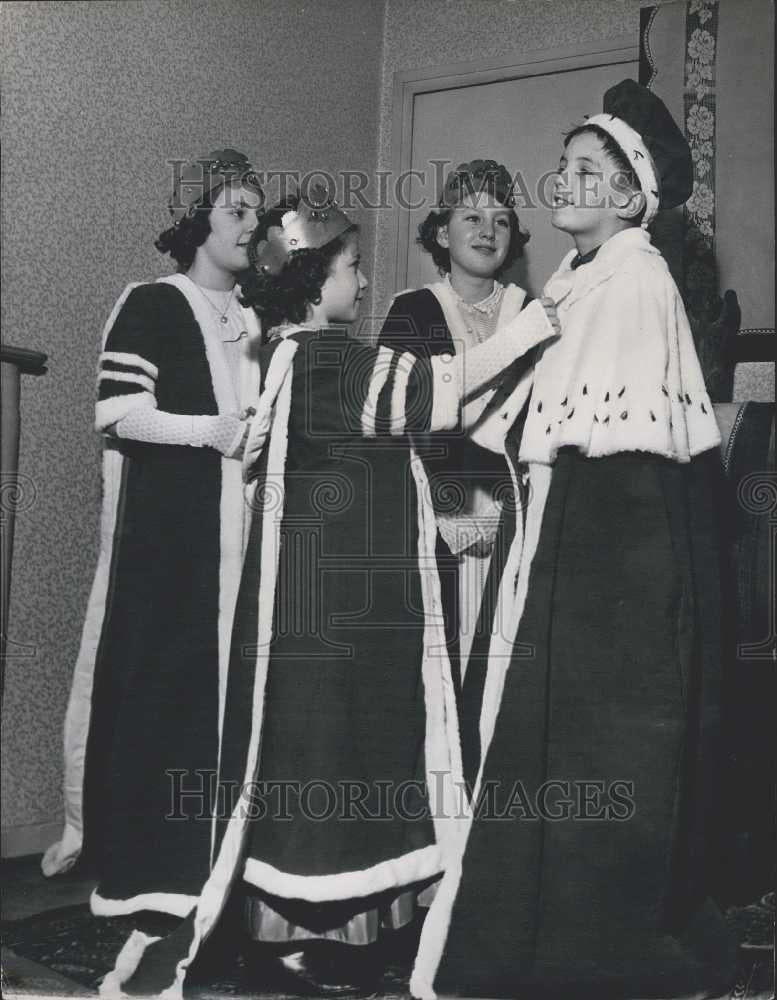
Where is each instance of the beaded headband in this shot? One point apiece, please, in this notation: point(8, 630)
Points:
point(202, 177)
point(478, 177)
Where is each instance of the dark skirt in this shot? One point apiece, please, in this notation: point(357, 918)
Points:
point(589, 855)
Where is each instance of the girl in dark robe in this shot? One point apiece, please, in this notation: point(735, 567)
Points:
point(177, 367)
point(472, 235)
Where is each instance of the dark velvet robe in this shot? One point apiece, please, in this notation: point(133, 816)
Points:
point(586, 868)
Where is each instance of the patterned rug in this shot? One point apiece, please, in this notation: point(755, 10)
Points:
point(74, 944)
point(83, 948)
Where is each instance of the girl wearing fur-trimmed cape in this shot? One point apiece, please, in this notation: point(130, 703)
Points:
point(473, 235)
point(584, 864)
point(178, 364)
point(340, 755)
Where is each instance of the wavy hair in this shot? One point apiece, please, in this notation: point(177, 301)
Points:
point(439, 217)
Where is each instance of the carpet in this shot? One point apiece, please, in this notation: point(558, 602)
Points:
point(74, 944)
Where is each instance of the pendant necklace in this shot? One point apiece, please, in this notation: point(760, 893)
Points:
point(222, 314)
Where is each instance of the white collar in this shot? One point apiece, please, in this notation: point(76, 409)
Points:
point(488, 305)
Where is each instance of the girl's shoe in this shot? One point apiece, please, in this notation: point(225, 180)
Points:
point(328, 968)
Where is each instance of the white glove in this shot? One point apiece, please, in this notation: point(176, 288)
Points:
point(482, 364)
point(223, 432)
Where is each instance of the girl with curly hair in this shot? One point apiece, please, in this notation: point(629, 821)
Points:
point(177, 366)
point(473, 235)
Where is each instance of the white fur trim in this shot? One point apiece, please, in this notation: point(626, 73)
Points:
point(510, 604)
point(233, 514)
point(512, 303)
point(446, 392)
point(111, 376)
point(233, 526)
point(511, 601)
point(443, 291)
point(443, 758)
point(380, 374)
point(221, 380)
point(442, 748)
point(638, 155)
point(108, 411)
point(434, 932)
point(624, 375)
point(127, 962)
point(62, 855)
point(133, 360)
point(215, 890)
point(399, 392)
point(446, 297)
point(178, 904)
point(262, 423)
point(499, 416)
point(394, 872)
point(236, 511)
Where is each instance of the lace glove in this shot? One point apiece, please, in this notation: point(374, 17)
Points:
point(481, 365)
point(223, 432)
point(457, 378)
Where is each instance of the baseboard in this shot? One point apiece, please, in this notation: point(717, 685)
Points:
point(31, 838)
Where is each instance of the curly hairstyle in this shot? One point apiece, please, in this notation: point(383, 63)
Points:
point(628, 179)
point(182, 241)
point(439, 217)
point(287, 296)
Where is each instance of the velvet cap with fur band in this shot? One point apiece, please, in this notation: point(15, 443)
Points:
point(640, 123)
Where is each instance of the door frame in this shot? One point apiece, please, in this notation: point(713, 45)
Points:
point(408, 84)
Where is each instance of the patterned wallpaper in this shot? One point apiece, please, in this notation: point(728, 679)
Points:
point(96, 98)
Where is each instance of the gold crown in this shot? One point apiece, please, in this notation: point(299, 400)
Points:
point(315, 221)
